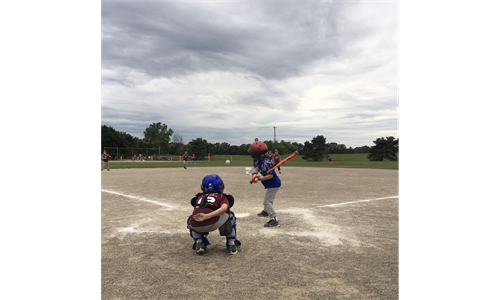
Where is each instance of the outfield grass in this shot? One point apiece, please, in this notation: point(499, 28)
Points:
point(339, 161)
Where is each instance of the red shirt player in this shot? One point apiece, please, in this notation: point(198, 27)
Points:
point(276, 159)
point(186, 156)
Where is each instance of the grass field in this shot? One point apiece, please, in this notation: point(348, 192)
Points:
point(339, 161)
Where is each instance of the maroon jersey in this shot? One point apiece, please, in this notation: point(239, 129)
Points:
point(270, 157)
point(215, 199)
point(277, 158)
point(105, 158)
point(186, 157)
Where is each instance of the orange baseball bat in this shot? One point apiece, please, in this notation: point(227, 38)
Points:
point(285, 160)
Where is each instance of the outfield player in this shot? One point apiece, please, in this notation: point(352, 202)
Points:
point(270, 181)
point(105, 162)
point(193, 159)
point(186, 156)
point(212, 212)
point(277, 159)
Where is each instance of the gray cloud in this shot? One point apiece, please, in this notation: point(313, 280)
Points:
point(226, 71)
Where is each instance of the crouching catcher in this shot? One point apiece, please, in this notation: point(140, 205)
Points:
point(212, 212)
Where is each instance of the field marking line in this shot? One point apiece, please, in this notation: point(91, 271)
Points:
point(358, 201)
point(169, 206)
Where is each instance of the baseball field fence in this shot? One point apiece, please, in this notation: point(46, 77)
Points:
point(129, 152)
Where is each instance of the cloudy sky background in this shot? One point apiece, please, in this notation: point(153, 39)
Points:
point(232, 71)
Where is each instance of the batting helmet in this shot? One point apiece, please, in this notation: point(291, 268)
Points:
point(258, 150)
point(212, 184)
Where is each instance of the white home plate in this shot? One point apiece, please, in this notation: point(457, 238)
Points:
point(242, 215)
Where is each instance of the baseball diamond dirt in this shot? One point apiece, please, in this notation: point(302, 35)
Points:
point(337, 239)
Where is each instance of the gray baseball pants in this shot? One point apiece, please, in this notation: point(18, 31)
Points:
point(209, 228)
point(268, 201)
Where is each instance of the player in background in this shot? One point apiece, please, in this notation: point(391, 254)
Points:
point(105, 162)
point(277, 159)
point(270, 155)
point(329, 159)
point(212, 212)
point(270, 181)
point(208, 157)
point(254, 160)
point(193, 158)
point(186, 156)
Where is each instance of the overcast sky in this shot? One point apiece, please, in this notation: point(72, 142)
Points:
point(232, 71)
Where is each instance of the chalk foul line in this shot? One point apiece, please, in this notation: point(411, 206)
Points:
point(358, 201)
point(141, 199)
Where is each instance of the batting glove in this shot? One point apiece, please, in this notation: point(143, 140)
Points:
point(257, 177)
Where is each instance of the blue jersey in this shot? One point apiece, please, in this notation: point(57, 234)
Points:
point(264, 166)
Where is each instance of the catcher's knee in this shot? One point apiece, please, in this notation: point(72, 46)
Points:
point(227, 228)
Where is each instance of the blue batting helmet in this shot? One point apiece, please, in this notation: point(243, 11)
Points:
point(212, 184)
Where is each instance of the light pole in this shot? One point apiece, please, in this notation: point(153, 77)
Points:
point(274, 137)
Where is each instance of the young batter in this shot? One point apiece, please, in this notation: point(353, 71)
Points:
point(270, 181)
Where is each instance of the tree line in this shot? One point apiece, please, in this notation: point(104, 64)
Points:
point(158, 135)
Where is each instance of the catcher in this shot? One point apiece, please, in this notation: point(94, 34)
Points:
point(212, 212)
point(270, 181)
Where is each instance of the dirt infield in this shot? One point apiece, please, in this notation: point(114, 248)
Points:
point(338, 236)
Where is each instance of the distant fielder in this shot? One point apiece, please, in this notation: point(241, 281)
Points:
point(105, 162)
point(277, 159)
point(186, 156)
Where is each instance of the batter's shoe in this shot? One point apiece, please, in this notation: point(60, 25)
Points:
point(233, 249)
point(272, 223)
point(185, 167)
point(263, 214)
point(201, 248)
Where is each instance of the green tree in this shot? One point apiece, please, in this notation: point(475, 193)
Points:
point(112, 138)
point(158, 132)
point(384, 148)
point(316, 149)
point(199, 148)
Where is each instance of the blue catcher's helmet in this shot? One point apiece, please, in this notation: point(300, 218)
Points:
point(212, 184)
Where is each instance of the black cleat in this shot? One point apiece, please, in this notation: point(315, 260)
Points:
point(272, 223)
point(263, 214)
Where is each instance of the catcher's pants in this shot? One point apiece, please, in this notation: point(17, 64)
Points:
point(209, 228)
point(105, 163)
point(268, 201)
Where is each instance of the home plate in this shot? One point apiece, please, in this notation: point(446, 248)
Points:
point(242, 215)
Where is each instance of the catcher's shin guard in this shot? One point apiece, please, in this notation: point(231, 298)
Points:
point(232, 218)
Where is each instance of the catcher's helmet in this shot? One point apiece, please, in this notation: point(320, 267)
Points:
point(212, 184)
point(258, 150)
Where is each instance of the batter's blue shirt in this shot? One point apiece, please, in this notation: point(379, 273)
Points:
point(265, 165)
